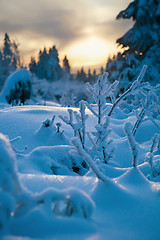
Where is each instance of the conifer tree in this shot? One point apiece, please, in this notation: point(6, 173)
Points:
point(32, 65)
point(1, 70)
point(7, 51)
point(54, 70)
point(140, 45)
point(42, 64)
point(66, 65)
point(48, 66)
point(9, 58)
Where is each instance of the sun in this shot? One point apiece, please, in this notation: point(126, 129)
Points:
point(90, 51)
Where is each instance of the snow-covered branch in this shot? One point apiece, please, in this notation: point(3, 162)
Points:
point(136, 85)
point(89, 160)
point(150, 154)
point(133, 144)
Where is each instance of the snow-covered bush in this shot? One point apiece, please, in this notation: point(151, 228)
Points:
point(68, 100)
point(103, 147)
point(100, 91)
point(17, 88)
point(78, 126)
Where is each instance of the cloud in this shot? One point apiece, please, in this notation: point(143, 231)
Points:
point(43, 20)
point(111, 30)
point(120, 4)
point(61, 23)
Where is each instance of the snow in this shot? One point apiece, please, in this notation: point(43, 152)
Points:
point(125, 206)
point(22, 75)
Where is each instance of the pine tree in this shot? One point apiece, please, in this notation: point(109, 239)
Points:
point(54, 70)
point(9, 58)
point(48, 66)
point(32, 65)
point(82, 75)
point(42, 64)
point(1, 70)
point(89, 75)
point(141, 44)
point(101, 70)
point(7, 51)
point(66, 65)
point(16, 55)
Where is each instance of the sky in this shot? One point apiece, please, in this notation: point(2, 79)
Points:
point(84, 30)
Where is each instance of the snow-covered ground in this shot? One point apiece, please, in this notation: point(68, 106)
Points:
point(126, 206)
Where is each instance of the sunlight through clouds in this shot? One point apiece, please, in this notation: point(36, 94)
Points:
point(84, 30)
point(89, 51)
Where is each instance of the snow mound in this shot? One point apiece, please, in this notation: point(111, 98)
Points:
point(8, 182)
point(58, 160)
point(48, 136)
point(135, 178)
point(17, 86)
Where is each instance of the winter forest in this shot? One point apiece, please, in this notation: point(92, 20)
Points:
point(80, 150)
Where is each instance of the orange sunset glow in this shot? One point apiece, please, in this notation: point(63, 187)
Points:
point(85, 31)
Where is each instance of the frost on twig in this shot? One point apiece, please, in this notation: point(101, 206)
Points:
point(100, 141)
point(149, 156)
point(89, 160)
point(48, 122)
point(136, 86)
point(68, 100)
point(149, 107)
point(132, 143)
point(81, 118)
point(69, 121)
point(100, 91)
point(79, 127)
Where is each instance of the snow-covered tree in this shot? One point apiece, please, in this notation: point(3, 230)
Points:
point(47, 66)
point(141, 44)
point(9, 58)
point(7, 51)
point(1, 70)
point(33, 65)
point(54, 70)
point(81, 75)
point(66, 65)
point(41, 70)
